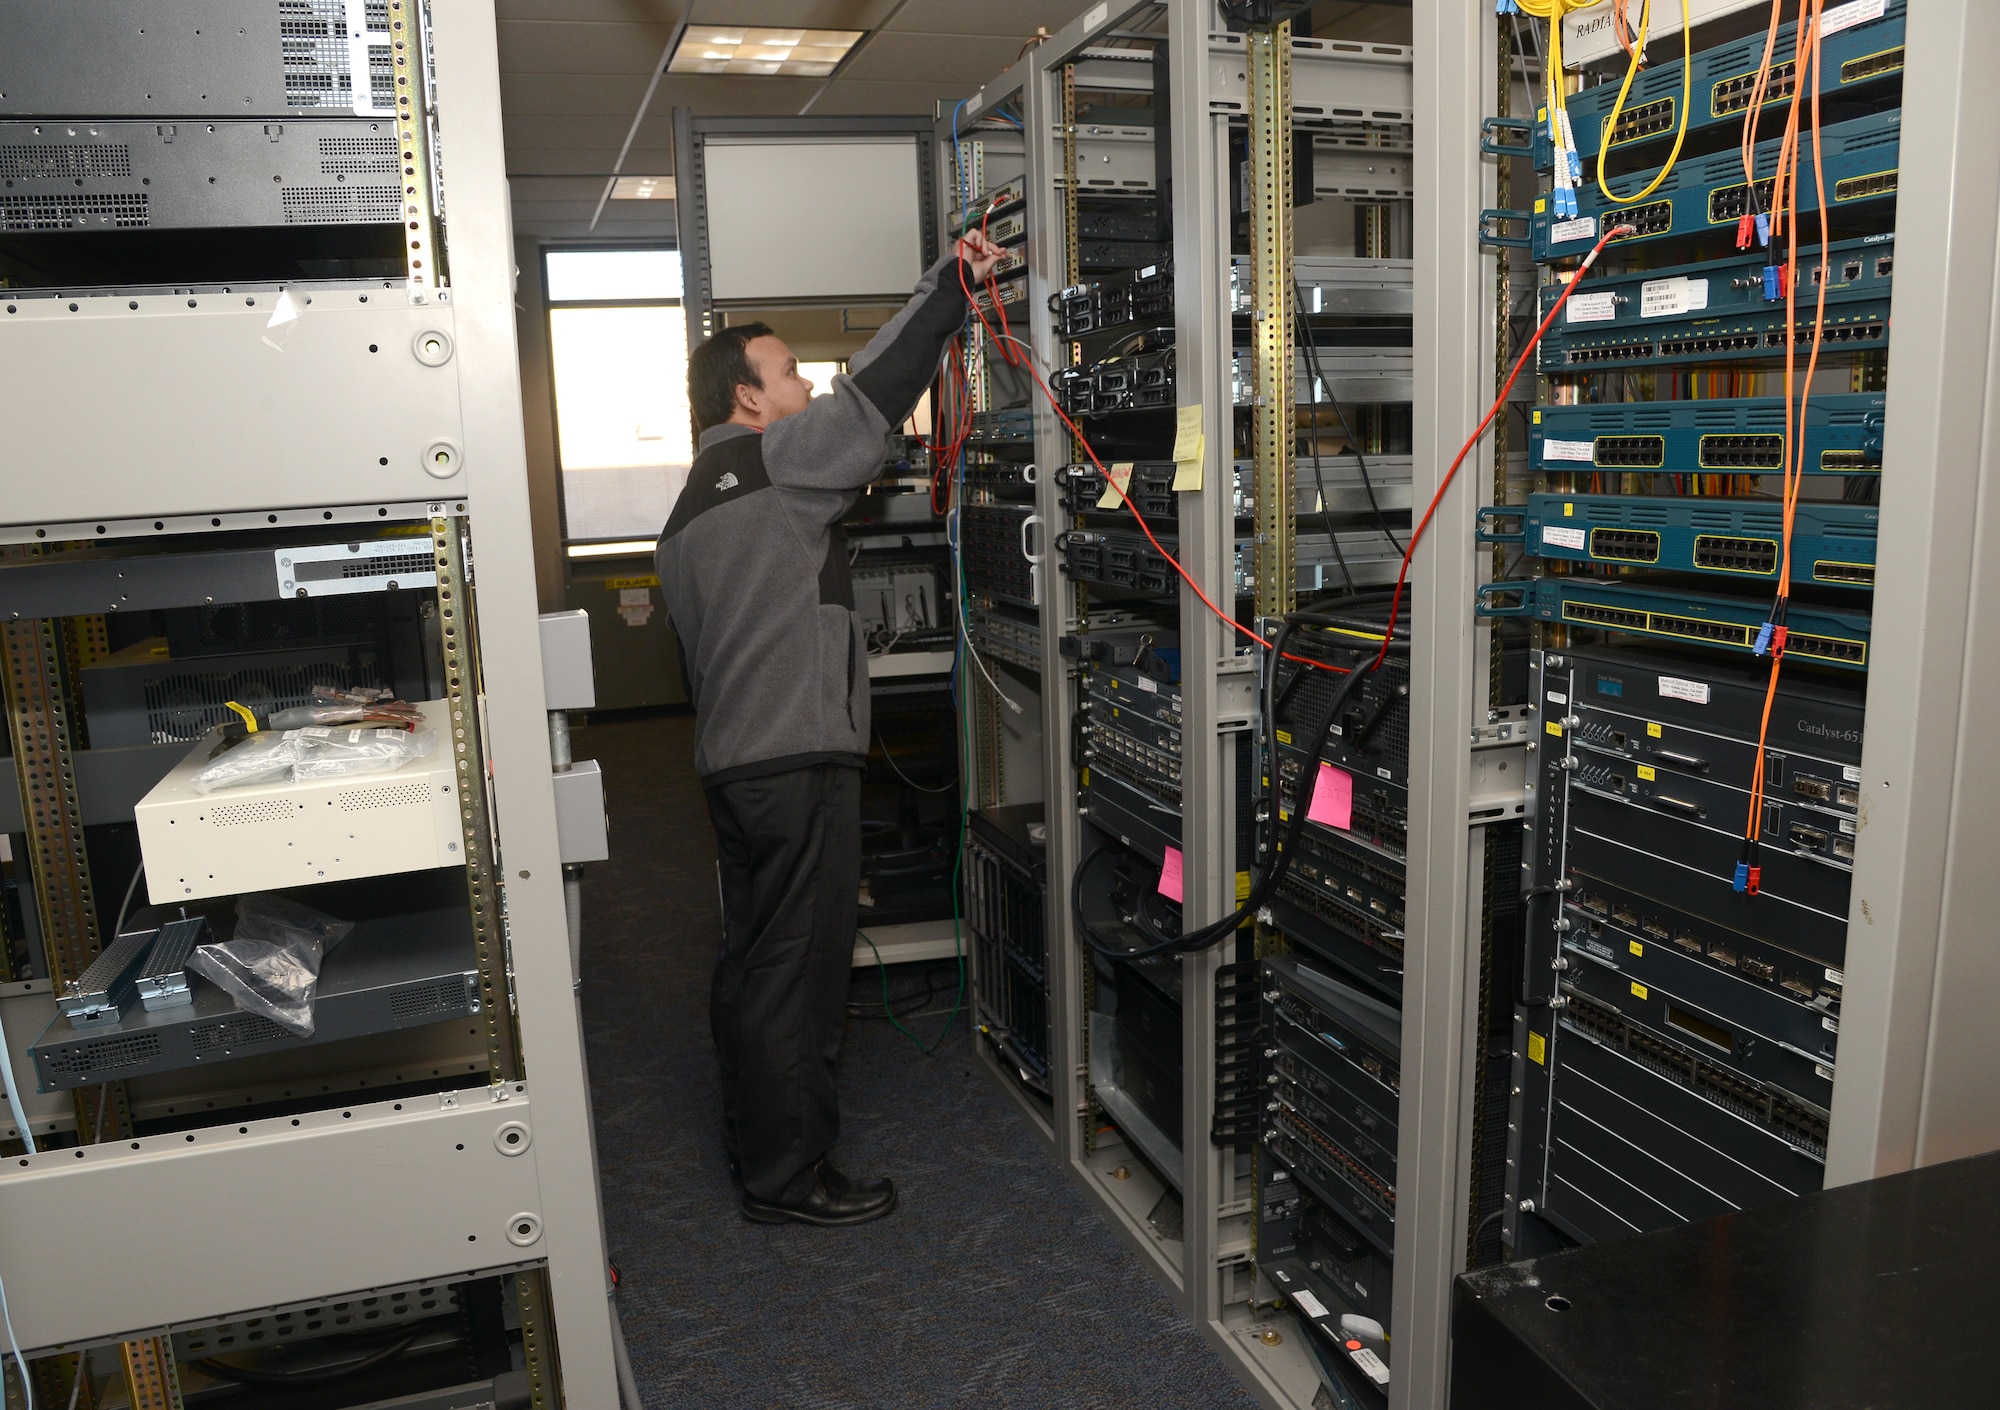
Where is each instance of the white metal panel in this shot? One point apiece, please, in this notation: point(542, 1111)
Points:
point(269, 1212)
point(800, 217)
point(203, 406)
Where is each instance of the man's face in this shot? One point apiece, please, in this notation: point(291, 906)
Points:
point(784, 392)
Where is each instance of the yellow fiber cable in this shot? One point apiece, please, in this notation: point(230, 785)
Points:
point(1687, 95)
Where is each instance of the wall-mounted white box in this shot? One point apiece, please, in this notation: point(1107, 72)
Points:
point(264, 836)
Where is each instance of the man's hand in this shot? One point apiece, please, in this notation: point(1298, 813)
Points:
point(979, 252)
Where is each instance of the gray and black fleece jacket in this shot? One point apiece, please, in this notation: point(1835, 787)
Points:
point(754, 564)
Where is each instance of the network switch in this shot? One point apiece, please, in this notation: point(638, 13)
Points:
point(1832, 541)
point(1718, 311)
point(1862, 57)
point(1731, 436)
point(1826, 636)
point(1708, 195)
point(1129, 559)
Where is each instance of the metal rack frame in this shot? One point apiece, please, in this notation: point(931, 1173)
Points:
point(364, 1195)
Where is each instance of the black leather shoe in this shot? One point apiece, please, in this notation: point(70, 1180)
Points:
point(833, 1200)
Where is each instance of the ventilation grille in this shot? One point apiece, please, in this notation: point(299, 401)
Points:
point(312, 37)
point(358, 156)
point(342, 205)
point(183, 705)
point(447, 996)
point(304, 1321)
point(264, 810)
point(239, 1031)
point(83, 211)
point(385, 795)
point(29, 162)
point(108, 1055)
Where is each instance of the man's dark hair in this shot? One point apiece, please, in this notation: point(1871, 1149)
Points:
point(716, 369)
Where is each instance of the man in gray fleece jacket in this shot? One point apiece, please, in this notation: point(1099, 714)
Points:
point(754, 568)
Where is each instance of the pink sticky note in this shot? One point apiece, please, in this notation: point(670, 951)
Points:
point(1333, 798)
point(1170, 875)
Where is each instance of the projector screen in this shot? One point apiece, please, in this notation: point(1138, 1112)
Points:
point(796, 217)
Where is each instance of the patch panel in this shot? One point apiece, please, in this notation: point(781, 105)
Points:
point(1861, 58)
point(1716, 311)
point(1833, 541)
point(1821, 635)
point(1706, 195)
point(1734, 436)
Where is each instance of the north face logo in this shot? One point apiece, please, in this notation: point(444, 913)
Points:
point(727, 482)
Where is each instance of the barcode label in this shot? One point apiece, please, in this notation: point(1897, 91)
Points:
point(1662, 298)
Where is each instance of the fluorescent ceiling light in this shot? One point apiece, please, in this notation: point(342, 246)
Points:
point(797, 53)
point(646, 188)
point(628, 548)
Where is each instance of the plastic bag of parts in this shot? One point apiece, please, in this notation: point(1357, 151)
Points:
point(339, 753)
point(320, 751)
point(265, 757)
point(331, 705)
point(269, 966)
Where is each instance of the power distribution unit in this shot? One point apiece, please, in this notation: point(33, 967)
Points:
point(263, 837)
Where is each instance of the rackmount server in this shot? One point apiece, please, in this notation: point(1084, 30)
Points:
point(1700, 197)
point(1720, 311)
point(1732, 436)
point(1128, 559)
point(1857, 58)
point(1832, 541)
point(1145, 295)
point(1006, 889)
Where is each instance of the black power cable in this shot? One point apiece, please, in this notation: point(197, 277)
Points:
point(1287, 848)
point(318, 1374)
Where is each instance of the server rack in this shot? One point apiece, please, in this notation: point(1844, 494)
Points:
point(285, 382)
point(1468, 781)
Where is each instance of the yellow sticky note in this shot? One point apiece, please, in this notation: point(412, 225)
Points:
point(1554, 727)
point(1653, 730)
point(1538, 1049)
point(1635, 947)
point(1647, 772)
point(1117, 480)
point(1639, 990)
point(1190, 449)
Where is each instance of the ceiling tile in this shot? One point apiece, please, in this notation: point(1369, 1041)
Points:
point(942, 58)
point(547, 46)
point(1014, 18)
point(578, 95)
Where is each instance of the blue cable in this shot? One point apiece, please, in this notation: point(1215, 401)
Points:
point(27, 1385)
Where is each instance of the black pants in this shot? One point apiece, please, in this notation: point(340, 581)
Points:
point(789, 846)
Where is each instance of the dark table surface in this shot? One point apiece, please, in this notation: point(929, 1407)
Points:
point(1880, 1295)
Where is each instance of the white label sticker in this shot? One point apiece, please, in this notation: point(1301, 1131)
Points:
point(1850, 773)
point(1585, 451)
point(1831, 1025)
point(1849, 15)
point(315, 732)
point(1372, 1364)
point(1591, 308)
point(1583, 228)
point(1147, 684)
point(1835, 976)
point(1556, 697)
point(1309, 1304)
point(1660, 298)
point(1847, 826)
point(1556, 536)
point(1823, 1070)
point(1094, 16)
point(633, 597)
point(1674, 688)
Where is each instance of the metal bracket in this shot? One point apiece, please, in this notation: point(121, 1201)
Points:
point(1488, 514)
point(1499, 778)
point(1490, 235)
point(1235, 700)
point(1487, 606)
point(1489, 137)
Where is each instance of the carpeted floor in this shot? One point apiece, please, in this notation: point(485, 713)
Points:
point(994, 1285)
